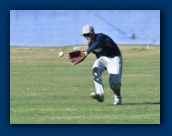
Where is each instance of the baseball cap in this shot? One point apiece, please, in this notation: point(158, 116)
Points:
point(87, 29)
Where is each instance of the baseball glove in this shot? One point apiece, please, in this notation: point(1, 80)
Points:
point(76, 57)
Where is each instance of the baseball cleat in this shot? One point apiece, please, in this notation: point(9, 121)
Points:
point(117, 100)
point(96, 96)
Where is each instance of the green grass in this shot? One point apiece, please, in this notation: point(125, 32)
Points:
point(47, 89)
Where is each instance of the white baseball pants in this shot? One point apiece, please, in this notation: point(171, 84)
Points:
point(114, 68)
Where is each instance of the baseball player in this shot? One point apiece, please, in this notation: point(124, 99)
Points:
point(109, 58)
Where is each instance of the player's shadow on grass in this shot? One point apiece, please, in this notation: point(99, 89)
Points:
point(142, 103)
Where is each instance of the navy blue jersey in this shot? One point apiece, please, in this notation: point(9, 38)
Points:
point(103, 46)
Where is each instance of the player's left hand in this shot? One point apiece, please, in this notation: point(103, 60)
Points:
point(76, 57)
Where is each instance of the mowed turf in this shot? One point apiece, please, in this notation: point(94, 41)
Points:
point(47, 89)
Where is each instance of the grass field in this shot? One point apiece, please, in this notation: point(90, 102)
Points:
point(47, 89)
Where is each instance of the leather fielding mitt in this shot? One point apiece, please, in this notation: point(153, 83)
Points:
point(76, 57)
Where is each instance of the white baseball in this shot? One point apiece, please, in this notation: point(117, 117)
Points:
point(61, 54)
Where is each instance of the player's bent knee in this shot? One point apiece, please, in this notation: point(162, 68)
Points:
point(95, 70)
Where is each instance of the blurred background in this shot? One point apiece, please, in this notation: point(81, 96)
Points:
point(49, 28)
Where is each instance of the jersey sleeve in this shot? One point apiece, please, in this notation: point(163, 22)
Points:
point(96, 44)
